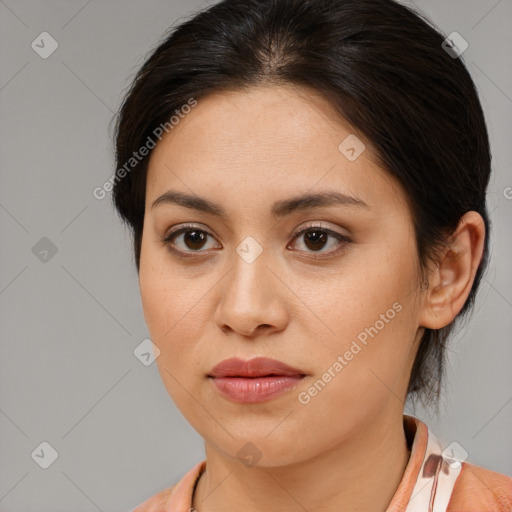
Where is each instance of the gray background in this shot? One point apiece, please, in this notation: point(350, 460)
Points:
point(70, 324)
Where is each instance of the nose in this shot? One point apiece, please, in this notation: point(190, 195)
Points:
point(252, 299)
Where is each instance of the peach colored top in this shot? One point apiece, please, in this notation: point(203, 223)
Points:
point(434, 480)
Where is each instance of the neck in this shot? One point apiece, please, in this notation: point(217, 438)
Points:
point(357, 475)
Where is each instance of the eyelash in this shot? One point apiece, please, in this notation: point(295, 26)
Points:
point(167, 239)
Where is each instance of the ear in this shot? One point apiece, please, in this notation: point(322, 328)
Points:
point(451, 280)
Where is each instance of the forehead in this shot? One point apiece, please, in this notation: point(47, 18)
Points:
point(270, 139)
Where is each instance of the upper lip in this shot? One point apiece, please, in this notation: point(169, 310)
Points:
point(256, 367)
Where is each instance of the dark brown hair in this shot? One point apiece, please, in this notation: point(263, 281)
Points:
point(384, 69)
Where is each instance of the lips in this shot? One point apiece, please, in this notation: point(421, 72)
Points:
point(256, 380)
point(256, 367)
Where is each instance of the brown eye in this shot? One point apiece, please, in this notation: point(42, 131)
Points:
point(315, 238)
point(194, 239)
point(188, 239)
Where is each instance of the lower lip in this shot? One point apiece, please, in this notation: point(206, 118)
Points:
point(255, 389)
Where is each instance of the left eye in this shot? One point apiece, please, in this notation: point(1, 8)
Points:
point(316, 238)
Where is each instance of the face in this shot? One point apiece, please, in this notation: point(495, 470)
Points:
point(328, 286)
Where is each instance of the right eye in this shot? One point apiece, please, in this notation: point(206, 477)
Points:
point(187, 239)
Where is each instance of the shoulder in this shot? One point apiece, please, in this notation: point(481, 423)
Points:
point(156, 503)
point(175, 498)
point(478, 489)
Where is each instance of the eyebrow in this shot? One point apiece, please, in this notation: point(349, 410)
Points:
point(280, 208)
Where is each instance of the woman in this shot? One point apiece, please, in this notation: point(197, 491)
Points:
point(305, 182)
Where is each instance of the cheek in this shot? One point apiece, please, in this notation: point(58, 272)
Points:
point(371, 312)
point(363, 370)
point(366, 287)
point(163, 301)
point(175, 309)
point(172, 310)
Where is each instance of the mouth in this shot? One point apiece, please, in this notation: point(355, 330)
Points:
point(255, 380)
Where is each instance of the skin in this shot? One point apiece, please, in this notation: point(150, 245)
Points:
point(298, 303)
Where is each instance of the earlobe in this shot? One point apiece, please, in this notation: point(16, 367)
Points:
point(451, 280)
